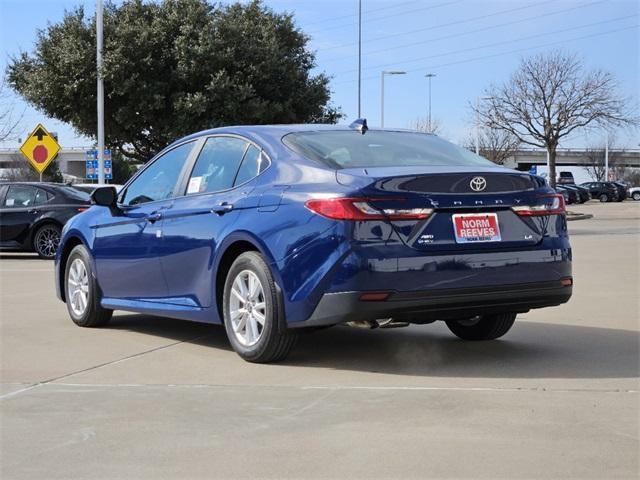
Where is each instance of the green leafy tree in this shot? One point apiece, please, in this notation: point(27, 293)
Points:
point(172, 68)
point(122, 169)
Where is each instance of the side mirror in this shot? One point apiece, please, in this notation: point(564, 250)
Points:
point(106, 197)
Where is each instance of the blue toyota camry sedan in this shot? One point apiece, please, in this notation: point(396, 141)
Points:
point(277, 230)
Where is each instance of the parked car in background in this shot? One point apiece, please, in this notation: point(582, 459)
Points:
point(90, 187)
point(32, 215)
point(622, 190)
point(565, 194)
point(583, 193)
point(603, 191)
point(275, 230)
point(634, 192)
point(565, 178)
point(572, 195)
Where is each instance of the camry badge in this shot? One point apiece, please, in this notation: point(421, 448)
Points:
point(478, 184)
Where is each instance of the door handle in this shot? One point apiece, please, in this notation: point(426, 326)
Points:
point(154, 217)
point(223, 208)
point(34, 210)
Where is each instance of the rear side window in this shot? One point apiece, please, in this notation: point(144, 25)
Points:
point(252, 165)
point(41, 196)
point(350, 149)
point(217, 165)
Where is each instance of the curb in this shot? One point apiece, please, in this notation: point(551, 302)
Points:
point(578, 216)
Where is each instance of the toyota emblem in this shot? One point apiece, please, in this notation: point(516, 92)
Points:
point(478, 184)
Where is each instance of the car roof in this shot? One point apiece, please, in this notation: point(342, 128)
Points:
point(269, 137)
point(36, 184)
point(271, 134)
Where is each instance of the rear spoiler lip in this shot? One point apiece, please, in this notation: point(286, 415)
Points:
point(367, 175)
point(362, 179)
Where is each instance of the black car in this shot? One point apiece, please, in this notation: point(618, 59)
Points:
point(583, 193)
point(570, 195)
point(622, 190)
point(32, 215)
point(603, 191)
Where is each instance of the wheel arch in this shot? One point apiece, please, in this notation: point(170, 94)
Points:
point(69, 244)
point(38, 224)
point(234, 246)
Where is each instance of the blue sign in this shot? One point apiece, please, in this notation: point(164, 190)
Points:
point(533, 170)
point(92, 165)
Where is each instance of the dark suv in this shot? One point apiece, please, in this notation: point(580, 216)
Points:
point(603, 191)
point(32, 215)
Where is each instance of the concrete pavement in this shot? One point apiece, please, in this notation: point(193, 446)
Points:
point(156, 398)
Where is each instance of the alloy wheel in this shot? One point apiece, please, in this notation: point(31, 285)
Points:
point(47, 241)
point(78, 287)
point(247, 308)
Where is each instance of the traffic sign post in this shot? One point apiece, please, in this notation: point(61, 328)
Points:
point(40, 148)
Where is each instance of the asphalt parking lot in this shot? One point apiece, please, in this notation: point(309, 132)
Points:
point(155, 398)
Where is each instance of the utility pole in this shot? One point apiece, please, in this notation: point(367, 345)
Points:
point(606, 159)
point(382, 74)
point(100, 92)
point(359, 57)
point(430, 76)
point(478, 99)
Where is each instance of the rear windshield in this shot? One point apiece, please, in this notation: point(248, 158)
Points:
point(76, 193)
point(350, 149)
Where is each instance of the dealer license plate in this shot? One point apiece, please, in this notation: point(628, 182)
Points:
point(476, 227)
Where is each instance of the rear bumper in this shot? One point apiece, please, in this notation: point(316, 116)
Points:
point(426, 306)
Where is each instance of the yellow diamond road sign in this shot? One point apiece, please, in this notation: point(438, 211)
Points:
point(40, 148)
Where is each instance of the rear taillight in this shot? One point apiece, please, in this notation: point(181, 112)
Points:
point(82, 209)
point(361, 209)
point(549, 205)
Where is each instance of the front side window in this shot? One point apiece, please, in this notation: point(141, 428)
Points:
point(21, 196)
point(158, 180)
point(350, 149)
point(217, 165)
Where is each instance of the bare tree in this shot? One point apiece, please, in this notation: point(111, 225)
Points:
point(550, 96)
point(495, 144)
point(10, 120)
point(596, 163)
point(422, 125)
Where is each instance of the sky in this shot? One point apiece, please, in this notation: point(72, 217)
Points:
point(467, 44)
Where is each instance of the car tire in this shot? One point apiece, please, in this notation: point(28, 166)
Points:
point(82, 292)
point(603, 198)
point(253, 314)
point(46, 240)
point(485, 327)
point(636, 196)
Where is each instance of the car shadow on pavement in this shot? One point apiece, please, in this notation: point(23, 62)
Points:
point(176, 330)
point(529, 350)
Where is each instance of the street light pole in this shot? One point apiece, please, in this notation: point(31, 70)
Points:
point(359, 57)
point(606, 158)
point(100, 93)
point(478, 99)
point(430, 76)
point(382, 74)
